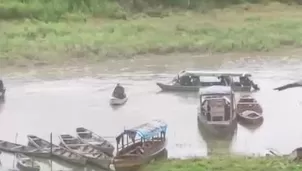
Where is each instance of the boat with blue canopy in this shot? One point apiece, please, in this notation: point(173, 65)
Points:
point(140, 145)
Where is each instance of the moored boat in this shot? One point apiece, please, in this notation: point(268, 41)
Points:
point(140, 145)
point(193, 80)
point(95, 140)
point(117, 101)
point(27, 164)
point(249, 111)
point(59, 152)
point(27, 150)
point(216, 111)
point(94, 155)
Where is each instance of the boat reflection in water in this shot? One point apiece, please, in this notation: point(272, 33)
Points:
point(216, 145)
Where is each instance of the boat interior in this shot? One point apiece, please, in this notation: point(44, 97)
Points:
point(248, 103)
point(16, 147)
point(89, 136)
point(40, 142)
point(28, 162)
point(84, 133)
point(68, 139)
point(216, 109)
point(130, 147)
point(65, 152)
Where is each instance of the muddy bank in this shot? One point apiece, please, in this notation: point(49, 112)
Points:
point(172, 62)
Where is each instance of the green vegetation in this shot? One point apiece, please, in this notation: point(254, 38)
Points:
point(55, 31)
point(227, 163)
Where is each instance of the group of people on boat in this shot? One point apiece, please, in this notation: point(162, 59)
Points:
point(190, 80)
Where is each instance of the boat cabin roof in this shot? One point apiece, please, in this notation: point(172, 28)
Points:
point(215, 90)
point(146, 131)
point(213, 73)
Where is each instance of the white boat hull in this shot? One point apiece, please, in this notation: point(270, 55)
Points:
point(117, 101)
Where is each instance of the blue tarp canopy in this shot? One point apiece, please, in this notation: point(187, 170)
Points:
point(147, 130)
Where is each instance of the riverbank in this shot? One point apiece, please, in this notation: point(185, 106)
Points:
point(226, 163)
point(242, 28)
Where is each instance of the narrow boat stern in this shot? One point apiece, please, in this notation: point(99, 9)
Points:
point(125, 163)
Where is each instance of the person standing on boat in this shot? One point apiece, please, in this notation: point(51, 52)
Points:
point(245, 81)
point(1, 85)
point(119, 91)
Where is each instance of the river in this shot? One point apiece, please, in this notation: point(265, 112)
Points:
point(59, 100)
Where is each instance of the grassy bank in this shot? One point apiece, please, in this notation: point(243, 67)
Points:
point(227, 164)
point(80, 34)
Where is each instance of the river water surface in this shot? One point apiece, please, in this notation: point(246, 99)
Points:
point(56, 103)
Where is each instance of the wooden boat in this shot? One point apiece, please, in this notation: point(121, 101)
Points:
point(216, 111)
point(60, 152)
point(27, 164)
point(289, 85)
point(140, 145)
point(295, 155)
point(27, 150)
point(199, 79)
point(249, 111)
point(94, 155)
point(95, 140)
point(117, 101)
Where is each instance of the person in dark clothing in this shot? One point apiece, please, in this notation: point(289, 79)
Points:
point(195, 81)
point(245, 81)
point(119, 92)
point(185, 80)
point(1, 85)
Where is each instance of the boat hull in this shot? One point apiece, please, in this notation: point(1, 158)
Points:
point(169, 87)
point(249, 121)
point(117, 101)
point(108, 151)
point(95, 140)
point(37, 153)
point(103, 163)
point(132, 164)
point(57, 154)
point(26, 168)
point(82, 161)
point(95, 156)
point(219, 131)
point(245, 111)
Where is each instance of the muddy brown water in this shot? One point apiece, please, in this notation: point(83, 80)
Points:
point(58, 100)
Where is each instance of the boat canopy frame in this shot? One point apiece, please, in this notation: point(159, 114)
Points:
point(220, 91)
point(146, 131)
point(213, 73)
